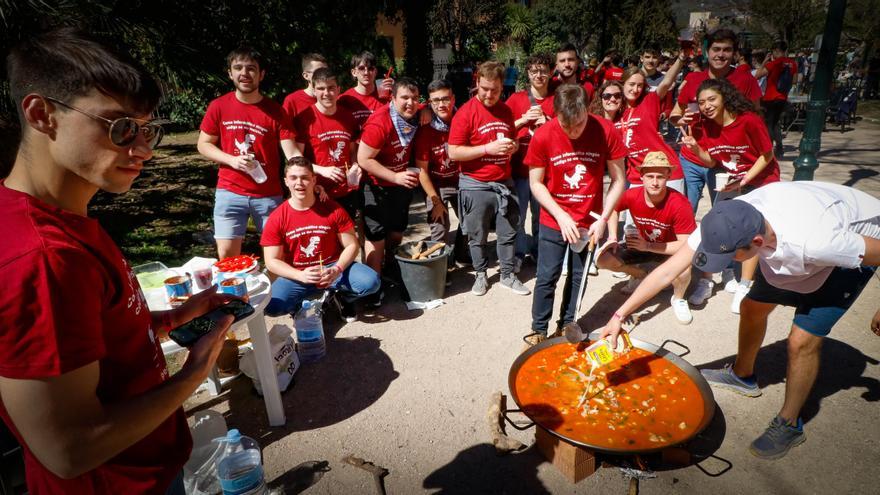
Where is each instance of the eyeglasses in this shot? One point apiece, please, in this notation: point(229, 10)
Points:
point(441, 100)
point(364, 68)
point(539, 72)
point(124, 130)
point(608, 96)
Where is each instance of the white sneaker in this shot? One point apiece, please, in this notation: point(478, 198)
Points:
point(631, 285)
point(728, 278)
point(738, 296)
point(702, 292)
point(682, 310)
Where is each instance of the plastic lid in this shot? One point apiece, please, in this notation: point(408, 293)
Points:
point(306, 304)
point(233, 435)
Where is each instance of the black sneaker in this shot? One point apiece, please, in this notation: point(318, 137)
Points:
point(374, 301)
point(347, 311)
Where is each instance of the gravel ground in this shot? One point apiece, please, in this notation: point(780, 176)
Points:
point(411, 393)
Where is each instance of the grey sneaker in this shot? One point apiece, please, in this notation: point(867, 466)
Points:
point(778, 439)
point(481, 284)
point(726, 378)
point(513, 283)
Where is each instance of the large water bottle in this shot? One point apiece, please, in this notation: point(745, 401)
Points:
point(240, 468)
point(311, 345)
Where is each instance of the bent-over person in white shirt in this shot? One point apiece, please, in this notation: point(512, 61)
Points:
point(818, 245)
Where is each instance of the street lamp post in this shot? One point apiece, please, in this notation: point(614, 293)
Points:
point(806, 163)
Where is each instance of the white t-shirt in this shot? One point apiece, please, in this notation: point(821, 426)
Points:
point(818, 226)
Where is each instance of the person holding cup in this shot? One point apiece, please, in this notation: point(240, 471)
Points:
point(384, 154)
point(364, 99)
point(732, 137)
point(662, 221)
point(481, 140)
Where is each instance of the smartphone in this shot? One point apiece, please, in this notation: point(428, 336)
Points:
point(187, 334)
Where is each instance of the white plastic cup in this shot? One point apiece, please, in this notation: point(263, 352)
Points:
point(352, 176)
point(693, 107)
point(721, 179)
point(255, 170)
point(582, 242)
point(203, 277)
point(630, 231)
point(414, 170)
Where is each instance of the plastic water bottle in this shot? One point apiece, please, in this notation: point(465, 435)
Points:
point(240, 468)
point(256, 170)
point(311, 345)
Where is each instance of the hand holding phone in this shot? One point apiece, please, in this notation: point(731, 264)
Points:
point(187, 334)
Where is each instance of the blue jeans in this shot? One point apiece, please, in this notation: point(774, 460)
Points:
point(356, 281)
point(551, 252)
point(524, 245)
point(695, 177)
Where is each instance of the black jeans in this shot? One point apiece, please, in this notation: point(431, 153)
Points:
point(551, 251)
point(772, 115)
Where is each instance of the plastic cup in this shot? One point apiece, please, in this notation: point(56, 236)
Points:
point(582, 242)
point(203, 277)
point(413, 170)
point(693, 107)
point(351, 175)
point(721, 179)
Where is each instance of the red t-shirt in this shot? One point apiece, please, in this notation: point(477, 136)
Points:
point(244, 128)
point(661, 222)
point(297, 101)
point(775, 68)
point(556, 81)
point(613, 73)
point(379, 133)
point(308, 237)
point(573, 170)
point(639, 128)
point(519, 104)
point(71, 299)
point(744, 81)
point(736, 147)
point(361, 106)
point(476, 125)
point(328, 141)
point(430, 145)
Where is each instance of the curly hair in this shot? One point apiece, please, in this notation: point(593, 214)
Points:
point(734, 101)
point(596, 105)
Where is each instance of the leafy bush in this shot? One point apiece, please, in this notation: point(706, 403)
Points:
point(184, 108)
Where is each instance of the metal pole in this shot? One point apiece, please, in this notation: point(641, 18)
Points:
point(806, 163)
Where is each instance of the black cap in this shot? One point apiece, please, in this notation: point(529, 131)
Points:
point(730, 225)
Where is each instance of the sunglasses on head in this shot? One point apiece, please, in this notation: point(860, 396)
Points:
point(608, 96)
point(124, 130)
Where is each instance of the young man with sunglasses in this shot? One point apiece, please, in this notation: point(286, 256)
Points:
point(304, 98)
point(532, 108)
point(84, 386)
point(241, 132)
point(364, 99)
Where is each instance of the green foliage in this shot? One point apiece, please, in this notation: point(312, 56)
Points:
point(795, 21)
point(520, 24)
point(470, 26)
point(184, 108)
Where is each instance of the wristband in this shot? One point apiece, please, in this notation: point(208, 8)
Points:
point(617, 315)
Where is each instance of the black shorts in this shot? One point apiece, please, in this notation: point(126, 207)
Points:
point(352, 203)
point(386, 210)
point(819, 310)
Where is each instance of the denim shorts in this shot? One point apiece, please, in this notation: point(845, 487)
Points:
point(231, 213)
point(819, 310)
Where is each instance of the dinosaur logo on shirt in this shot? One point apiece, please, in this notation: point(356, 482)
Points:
point(654, 235)
point(309, 250)
point(336, 153)
point(732, 164)
point(245, 147)
point(574, 179)
point(399, 156)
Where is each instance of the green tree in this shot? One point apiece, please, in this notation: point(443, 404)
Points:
point(469, 26)
point(795, 21)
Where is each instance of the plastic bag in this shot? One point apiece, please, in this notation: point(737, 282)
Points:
point(283, 354)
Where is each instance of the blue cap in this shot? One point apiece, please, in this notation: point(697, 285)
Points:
point(730, 225)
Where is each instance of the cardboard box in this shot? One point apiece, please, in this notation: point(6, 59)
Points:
point(575, 463)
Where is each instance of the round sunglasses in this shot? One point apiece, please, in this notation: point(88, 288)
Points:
point(124, 130)
point(608, 96)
